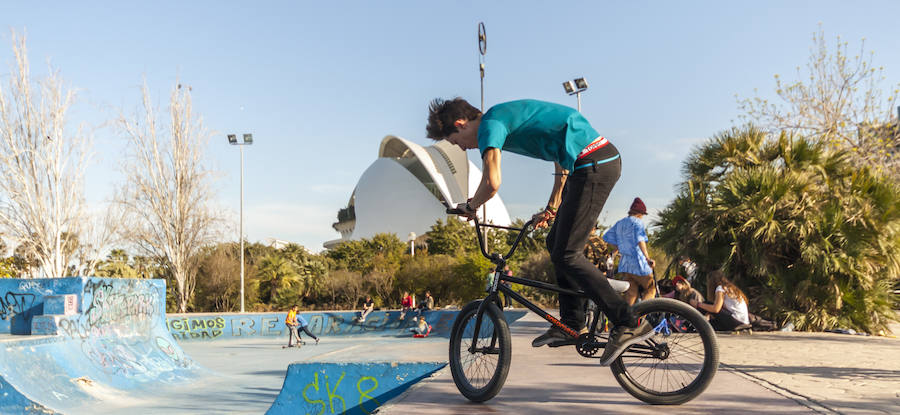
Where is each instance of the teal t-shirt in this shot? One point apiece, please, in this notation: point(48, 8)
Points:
point(537, 129)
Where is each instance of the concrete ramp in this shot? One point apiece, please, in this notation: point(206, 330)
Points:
point(346, 388)
point(13, 402)
point(104, 345)
point(114, 349)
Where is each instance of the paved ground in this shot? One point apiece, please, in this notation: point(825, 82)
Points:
point(833, 373)
point(785, 373)
point(249, 373)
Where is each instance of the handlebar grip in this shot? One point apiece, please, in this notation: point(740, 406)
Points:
point(455, 211)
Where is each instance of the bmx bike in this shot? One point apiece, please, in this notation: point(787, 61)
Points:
point(673, 366)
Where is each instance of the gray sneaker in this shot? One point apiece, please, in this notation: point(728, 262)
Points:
point(620, 337)
point(554, 337)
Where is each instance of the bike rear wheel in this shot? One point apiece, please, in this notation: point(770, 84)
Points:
point(480, 370)
point(677, 363)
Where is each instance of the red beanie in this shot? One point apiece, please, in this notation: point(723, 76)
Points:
point(638, 207)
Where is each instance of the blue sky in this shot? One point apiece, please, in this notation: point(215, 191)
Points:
point(319, 84)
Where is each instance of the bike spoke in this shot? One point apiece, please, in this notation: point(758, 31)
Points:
point(479, 364)
point(671, 360)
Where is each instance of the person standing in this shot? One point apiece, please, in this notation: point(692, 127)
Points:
point(292, 324)
point(507, 302)
point(629, 237)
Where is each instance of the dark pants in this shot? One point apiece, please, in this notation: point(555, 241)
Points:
point(296, 330)
point(724, 321)
point(507, 302)
point(583, 198)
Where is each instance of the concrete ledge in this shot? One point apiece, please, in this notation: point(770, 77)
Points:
point(230, 326)
point(66, 304)
point(46, 325)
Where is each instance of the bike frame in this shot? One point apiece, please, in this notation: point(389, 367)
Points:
point(495, 286)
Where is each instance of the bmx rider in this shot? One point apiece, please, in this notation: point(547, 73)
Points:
point(587, 167)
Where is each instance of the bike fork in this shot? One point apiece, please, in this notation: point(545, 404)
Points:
point(492, 297)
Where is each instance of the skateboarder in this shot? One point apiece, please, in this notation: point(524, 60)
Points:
point(295, 323)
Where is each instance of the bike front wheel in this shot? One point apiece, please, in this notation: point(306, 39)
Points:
point(677, 363)
point(479, 370)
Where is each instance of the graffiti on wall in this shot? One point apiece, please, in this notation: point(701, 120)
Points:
point(346, 388)
point(226, 326)
point(43, 326)
point(13, 303)
point(331, 401)
point(206, 328)
point(113, 308)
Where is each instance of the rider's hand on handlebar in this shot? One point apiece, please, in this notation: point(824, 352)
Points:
point(468, 211)
point(543, 218)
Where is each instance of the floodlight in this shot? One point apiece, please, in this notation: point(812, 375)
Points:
point(248, 139)
point(569, 86)
point(581, 83)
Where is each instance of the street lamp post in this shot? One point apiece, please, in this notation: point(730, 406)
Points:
point(576, 87)
point(248, 140)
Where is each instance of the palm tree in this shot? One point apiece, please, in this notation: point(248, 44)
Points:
point(813, 238)
point(279, 280)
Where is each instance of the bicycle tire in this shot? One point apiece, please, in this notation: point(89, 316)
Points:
point(479, 376)
point(680, 333)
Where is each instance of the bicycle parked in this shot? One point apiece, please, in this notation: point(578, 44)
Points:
point(673, 366)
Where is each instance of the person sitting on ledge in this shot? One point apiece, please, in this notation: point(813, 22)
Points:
point(407, 303)
point(368, 306)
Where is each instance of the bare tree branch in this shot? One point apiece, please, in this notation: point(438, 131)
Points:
point(838, 99)
point(167, 195)
point(41, 166)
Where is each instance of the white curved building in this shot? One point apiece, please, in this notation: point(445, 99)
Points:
point(408, 188)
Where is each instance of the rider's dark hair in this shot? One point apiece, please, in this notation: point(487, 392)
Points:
point(442, 114)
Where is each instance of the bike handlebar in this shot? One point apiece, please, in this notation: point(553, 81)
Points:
point(478, 225)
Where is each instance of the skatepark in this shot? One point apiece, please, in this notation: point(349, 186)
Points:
point(92, 345)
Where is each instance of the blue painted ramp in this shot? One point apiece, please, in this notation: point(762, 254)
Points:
point(346, 388)
point(13, 402)
point(115, 348)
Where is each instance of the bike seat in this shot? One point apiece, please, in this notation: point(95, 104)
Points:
point(619, 286)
